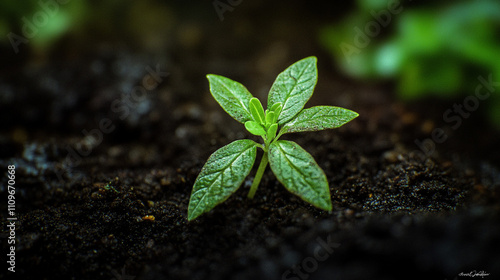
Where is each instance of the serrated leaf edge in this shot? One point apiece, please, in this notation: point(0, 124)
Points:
point(299, 171)
point(289, 125)
point(254, 146)
point(223, 83)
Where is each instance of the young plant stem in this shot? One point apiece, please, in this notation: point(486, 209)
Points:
point(258, 176)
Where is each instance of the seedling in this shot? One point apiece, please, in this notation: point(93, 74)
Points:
point(296, 169)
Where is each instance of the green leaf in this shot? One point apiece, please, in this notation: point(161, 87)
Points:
point(270, 117)
point(277, 111)
point(221, 176)
point(277, 108)
point(255, 128)
point(257, 110)
point(232, 96)
point(319, 118)
point(271, 132)
point(299, 173)
point(293, 88)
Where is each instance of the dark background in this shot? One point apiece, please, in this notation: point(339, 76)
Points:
point(97, 157)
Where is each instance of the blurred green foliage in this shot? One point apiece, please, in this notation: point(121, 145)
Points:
point(435, 49)
point(39, 23)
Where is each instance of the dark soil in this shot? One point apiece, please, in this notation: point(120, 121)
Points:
point(114, 205)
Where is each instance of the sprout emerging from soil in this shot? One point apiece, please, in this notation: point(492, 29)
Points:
point(296, 169)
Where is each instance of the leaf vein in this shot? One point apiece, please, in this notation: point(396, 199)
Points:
point(215, 179)
point(298, 171)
